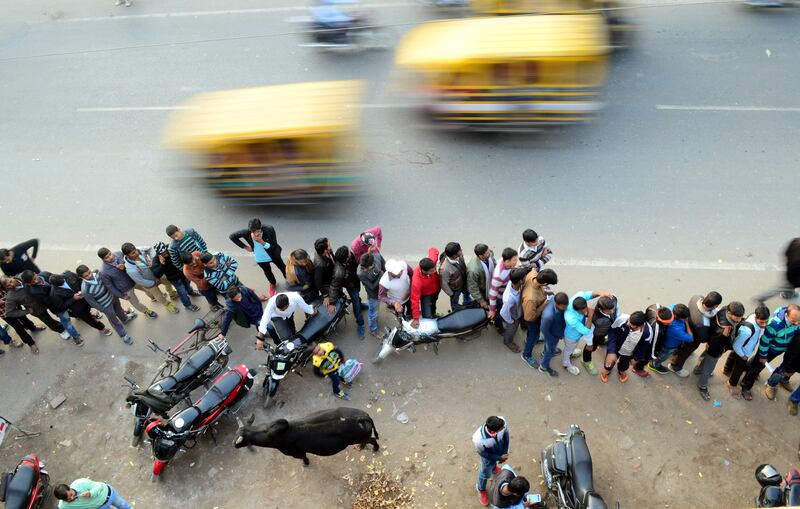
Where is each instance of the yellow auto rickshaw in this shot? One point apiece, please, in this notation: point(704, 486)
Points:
point(615, 13)
point(292, 143)
point(508, 72)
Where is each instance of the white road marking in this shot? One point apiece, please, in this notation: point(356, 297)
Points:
point(192, 14)
point(132, 108)
point(677, 107)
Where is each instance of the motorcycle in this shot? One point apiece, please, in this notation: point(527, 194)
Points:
point(294, 353)
point(27, 486)
point(224, 397)
point(772, 494)
point(462, 323)
point(567, 472)
point(359, 34)
point(165, 392)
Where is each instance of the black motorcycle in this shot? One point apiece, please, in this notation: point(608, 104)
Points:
point(567, 472)
point(294, 353)
point(772, 494)
point(462, 323)
point(27, 487)
point(165, 392)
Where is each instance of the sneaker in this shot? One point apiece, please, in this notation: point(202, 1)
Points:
point(38, 328)
point(16, 343)
point(149, 313)
point(360, 332)
point(64, 335)
point(747, 394)
point(698, 370)
point(343, 395)
point(549, 371)
point(127, 340)
point(623, 377)
point(589, 366)
point(483, 498)
point(573, 370)
point(530, 361)
point(131, 316)
point(657, 369)
point(576, 353)
point(34, 350)
point(769, 392)
point(192, 307)
point(786, 385)
point(604, 376)
point(97, 316)
point(78, 341)
point(642, 373)
point(681, 372)
point(792, 407)
point(704, 393)
point(513, 347)
point(271, 290)
point(106, 332)
point(172, 309)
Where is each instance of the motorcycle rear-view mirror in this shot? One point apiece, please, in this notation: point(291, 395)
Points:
point(767, 475)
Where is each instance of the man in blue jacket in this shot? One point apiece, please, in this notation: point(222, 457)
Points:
point(553, 326)
point(576, 318)
point(118, 282)
point(676, 333)
point(491, 442)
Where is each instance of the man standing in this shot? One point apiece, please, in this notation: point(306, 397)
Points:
point(323, 265)
point(534, 300)
point(500, 277)
point(533, 252)
point(281, 307)
point(724, 328)
point(744, 346)
point(243, 306)
point(370, 271)
point(345, 277)
point(64, 298)
point(138, 263)
point(13, 261)
point(118, 282)
point(676, 332)
point(479, 274)
point(778, 335)
point(602, 318)
point(97, 295)
point(368, 241)
point(20, 324)
point(183, 241)
point(491, 441)
point(553, 325)
point(221, 271)
point(425, 287)
point(394, 287)
point(88, 494)
point(629, 337)
point(701, 311)
point(511, 312)
point(195, 271)
point(576, 316)
point(453, 275)
point(787, 290)
point(163, 268)
point(261, 240)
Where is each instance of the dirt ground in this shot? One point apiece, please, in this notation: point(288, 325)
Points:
point(654, 442)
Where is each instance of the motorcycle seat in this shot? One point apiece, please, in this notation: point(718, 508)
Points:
point(199, 324)
point(559, 459)
point(462, 320)
point(592, 500)
point(20, 487)
point(184, 419)
point(318, 323)
point(793, 495)
point(218, 392)
point(581, 467)
point(196, 364)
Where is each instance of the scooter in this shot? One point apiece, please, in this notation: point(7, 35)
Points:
point(224, 397)
point(462, 323)
point(164, 393)
point(567, 472)
point(27, 486)
point(294, 353)
point(772, 494)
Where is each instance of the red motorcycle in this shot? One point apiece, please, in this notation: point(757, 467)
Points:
point(27, 486)
point(185, 427)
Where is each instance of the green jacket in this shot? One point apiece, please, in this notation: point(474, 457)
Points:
point(476, 279)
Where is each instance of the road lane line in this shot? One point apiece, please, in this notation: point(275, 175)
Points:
point(132, 108)
point(678, 107)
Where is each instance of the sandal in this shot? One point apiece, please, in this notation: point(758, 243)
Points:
point(747, 395)
point(513, 347)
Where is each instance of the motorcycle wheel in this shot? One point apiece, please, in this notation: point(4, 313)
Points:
point(270, 388)
point(45, 495)
point(138, 431)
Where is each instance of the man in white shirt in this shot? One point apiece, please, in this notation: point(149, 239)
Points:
point(511, 312)
point(281, 307)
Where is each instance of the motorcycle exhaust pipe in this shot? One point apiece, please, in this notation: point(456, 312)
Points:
point(386, 349)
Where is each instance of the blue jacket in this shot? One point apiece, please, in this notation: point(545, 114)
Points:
point(747, 337)
point(117, 281)
point(576, 327)
point(250, 306)
point(491, 448)
point(676, 334)
point(553, 323)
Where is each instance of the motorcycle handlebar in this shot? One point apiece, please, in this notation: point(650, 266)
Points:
point(131, 382)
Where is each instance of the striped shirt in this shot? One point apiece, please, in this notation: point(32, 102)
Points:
point(532, 256)
point(223, 276)
point(191, 241)
point(500, 278)
point(96, 293)
point(778, 334)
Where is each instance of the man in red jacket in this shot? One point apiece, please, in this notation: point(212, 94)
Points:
point(425, 286)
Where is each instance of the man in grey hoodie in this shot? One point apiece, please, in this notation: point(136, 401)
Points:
point(370, 269)
point(118, 282)
point(138, 263)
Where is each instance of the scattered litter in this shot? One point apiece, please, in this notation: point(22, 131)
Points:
point(402, 417)
point(57, 401)
point(717, 403)
point(768, 52)
point(548, 398)
point(689, 423)
point(727, 462)
point(700, 474)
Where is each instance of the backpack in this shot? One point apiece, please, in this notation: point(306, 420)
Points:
point(752, 333)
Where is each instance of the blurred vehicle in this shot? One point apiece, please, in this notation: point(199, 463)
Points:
point(294, 143)
point(512, 72)
point(341, 24)
point(614, 12)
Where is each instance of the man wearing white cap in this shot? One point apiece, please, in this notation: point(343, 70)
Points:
point(394, 288)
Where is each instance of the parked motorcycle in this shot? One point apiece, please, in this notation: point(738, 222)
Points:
point(461, 323)
point(567, 472)
point(184, 428)
point(294, 353)
point(772, 494)
point(166, 392)
point(27, 487)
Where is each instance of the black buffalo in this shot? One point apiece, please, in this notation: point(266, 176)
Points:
point(323, 433)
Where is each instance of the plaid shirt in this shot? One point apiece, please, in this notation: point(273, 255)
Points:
point(224, 275)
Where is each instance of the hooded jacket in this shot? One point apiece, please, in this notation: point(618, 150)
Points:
point(491, 448)
point(423, 285)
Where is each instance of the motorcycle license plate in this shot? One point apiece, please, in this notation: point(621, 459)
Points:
point(133, 409)
point(280, 366)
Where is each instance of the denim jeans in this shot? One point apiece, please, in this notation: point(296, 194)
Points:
point(115, 501)
point(663, 356)
point(5, 337)
point(777, 376)
point(550, 347)
point(355, 297)
point(372, 314)
point(531, 338)
point(67, 324)
point(184, 289)
point(485, 472)
point(454, 299)
point(795, 397)
point(335, 380)
point(211, 297)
